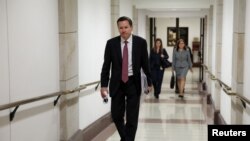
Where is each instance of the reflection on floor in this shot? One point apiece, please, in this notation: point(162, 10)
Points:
point(169, 118)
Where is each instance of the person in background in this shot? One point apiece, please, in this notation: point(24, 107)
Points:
point(125, 56)
point(176, 81)
point(181, 64)
point(157, 53)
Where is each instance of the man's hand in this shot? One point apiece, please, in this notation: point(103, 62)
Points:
point(104, 92)
point(150, 88)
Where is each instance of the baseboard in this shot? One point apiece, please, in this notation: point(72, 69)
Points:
point(204, 86)
point(92, 130)
point(77, 136)
point(218, 119)
point(209, 99)
point(95, 128)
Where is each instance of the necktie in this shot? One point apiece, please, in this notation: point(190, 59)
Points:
point(125, 63)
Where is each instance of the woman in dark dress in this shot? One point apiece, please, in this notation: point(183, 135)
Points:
point(157, 53)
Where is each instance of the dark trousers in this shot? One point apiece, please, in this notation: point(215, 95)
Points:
point(157, 77)
point(126, 99)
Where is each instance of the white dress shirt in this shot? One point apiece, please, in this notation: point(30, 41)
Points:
point(129, 44)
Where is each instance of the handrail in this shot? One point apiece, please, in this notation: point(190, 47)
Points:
point(211, 75)
point(225, 85)
point(227, 89)
point(218, 80)
point(58, 94)
point(243, 99)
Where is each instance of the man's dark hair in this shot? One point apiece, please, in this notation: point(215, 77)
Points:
point(124, 18)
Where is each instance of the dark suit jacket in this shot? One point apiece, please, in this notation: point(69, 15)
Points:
point(113, 59)
point(156, 60)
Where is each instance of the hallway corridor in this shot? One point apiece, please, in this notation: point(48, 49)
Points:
point(169, 118)
point(52, 53)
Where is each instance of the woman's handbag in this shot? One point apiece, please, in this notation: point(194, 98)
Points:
point(172, 81)
point(165, 63)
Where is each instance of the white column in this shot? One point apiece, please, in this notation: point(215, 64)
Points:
point(246, 93)
point(68, 68)
point(226, 57)
point(216, 51)
point(238, 59)
point(115, 10)
point(208, 54)
point(126, 8)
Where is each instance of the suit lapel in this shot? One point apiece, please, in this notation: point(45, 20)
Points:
point(118, 49)
point(133, 49)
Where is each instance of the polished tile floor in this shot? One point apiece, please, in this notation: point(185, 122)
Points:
point(169, 118)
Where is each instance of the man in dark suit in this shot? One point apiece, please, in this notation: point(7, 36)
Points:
point(126, 55)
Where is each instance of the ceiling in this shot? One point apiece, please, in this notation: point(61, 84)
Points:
point(173, 8)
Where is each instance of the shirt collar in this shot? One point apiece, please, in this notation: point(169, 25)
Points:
point(129, 39)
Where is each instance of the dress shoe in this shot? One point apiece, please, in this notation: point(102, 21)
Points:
point(181, 96)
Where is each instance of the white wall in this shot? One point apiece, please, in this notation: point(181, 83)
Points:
point(226, 57)
point(193, 25)
point(142, 20)
point(30, 66)
point(126, 8)
point(246, 116)
point(91, 107)
point(161, 27)
point(94, 31)
point(4, 73)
